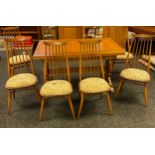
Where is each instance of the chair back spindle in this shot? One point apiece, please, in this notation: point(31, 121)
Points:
point(56, 64)
point(117, 33)
point(10, 32)
point(18, 56)
point(140, 46)
point(91, 63)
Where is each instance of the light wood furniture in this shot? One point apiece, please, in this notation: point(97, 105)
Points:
point(54, 57)
point(109, 48)
point(20, 56)
point(34, 31)
point(143, 29)
point(78, 32)
point(122, 58)
point(140, 47)
point(117, 33)
point(90, 81)
point(10, 32)
point(70, 32)
point(22, 80)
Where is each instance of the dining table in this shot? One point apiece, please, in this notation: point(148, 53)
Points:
point(109, 49)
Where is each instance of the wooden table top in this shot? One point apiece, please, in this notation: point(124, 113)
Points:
point(108, 48)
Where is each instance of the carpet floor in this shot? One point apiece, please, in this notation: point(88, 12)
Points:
point(128, 108)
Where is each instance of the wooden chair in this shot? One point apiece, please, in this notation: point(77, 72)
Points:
point(23, 78)
point(122, 58)
point(134, 70)
point(120, 35)
point(19, 55)
point(91, 72)
point(10, 32)
point(48, 32)
point(56, 74)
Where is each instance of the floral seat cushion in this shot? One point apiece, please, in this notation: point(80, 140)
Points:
point(135, 75)
point(56, 88)
point(21, 81)
point(94, 85)
point(124, 56)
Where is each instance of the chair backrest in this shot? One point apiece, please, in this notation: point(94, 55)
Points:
point(117, 33)
point(56, 64)
point(48, 32)
point(140, 46)
point(19, 57)
point(91, 63)
point(10, 32)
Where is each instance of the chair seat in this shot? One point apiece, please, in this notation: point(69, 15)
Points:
point(131, 34)
point(135, 75)
point(56, 88)
point(21, 81)
point(124, 56)
point(19, 59)
point(94, 85)
point(152, 58)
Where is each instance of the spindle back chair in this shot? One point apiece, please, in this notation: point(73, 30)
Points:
point(137, 69)
point(10, 32)
point(19, 56)
point(20, 68)
point(56, 62)
point(56, 74)
point(91, 72)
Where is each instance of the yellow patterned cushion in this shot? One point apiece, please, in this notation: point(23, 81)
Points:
point(56, 88)
point(21, 80)
point(135, 75)
point(131, 35)
point(94, 85)
point(19, 59)
point(124, 56)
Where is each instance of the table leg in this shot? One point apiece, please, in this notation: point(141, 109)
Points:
point(109, 68)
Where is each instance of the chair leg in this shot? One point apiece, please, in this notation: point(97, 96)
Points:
point(81, 104)
point(42, 108)
point(71, 106)
point(109, 102)
point(9, 102)
point(145, 94)
point(120, 86)
point(37, 94)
